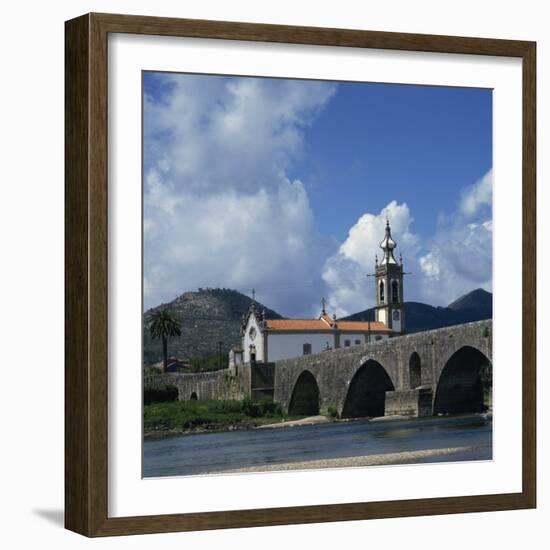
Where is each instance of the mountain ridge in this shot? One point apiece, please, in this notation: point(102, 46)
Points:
point(475, 305)
point(478, 299)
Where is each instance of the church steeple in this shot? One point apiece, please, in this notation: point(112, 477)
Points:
point(388, 245)
point(389, 307)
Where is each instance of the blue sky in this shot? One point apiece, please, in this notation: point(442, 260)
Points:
point(287, 184)
point(418, 143)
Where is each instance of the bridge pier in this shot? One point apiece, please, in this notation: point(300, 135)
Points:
point(417, 402)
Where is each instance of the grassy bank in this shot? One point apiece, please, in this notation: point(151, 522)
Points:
point(208, 415)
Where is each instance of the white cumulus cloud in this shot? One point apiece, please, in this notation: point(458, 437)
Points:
point(460, 256)
point(345, 272)
point(219, 207)
point(460, 259)
point(476, 196)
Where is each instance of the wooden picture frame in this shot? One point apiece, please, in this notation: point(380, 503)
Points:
point(86, 221)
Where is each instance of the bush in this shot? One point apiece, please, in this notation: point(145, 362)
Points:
point(160, 394)
point(250, 408)
point(269, 408)
point(263, 407)
point(332, 412)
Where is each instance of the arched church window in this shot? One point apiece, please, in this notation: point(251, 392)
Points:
point(394, 292)
point(381, 292)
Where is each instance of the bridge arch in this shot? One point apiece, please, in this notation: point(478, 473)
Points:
point(460, 386)
point(415, 370)
point(305, 396)
point(366, 393)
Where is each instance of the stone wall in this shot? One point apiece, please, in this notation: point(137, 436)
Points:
point(234, 383)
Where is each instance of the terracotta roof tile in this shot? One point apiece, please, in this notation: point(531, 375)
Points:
point(297, 324)
point(320, 325)
point(362, 325)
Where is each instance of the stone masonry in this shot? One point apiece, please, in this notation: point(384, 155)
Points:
point(334, 371)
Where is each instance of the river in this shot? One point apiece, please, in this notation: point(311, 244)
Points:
point(217, 452)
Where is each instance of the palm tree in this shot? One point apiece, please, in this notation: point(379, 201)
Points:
point(163, 324)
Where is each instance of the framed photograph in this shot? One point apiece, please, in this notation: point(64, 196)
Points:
point(300, 275)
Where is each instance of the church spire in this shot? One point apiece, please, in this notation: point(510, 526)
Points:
point(388, 274)
point(388, 245)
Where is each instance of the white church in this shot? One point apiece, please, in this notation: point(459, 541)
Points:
point(268, 340)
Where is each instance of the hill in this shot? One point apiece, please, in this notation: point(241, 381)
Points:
point(478, 300)
point(210, 319)
point(473, 306)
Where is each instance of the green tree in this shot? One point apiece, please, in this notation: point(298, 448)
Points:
point(163, 324)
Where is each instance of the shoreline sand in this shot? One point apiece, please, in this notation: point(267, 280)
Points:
point(352, 461)
point(307, 421)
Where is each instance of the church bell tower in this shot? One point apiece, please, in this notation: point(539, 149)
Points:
point(389, 308)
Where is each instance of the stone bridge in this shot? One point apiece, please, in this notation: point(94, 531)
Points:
point(425, 373)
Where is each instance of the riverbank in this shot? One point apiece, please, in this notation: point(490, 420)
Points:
point(159, 432)
point(200, 417)
point(212, 427)
point(175, 418)
point(403, 457)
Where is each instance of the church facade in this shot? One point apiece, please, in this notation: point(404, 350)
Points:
point(269, 340)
